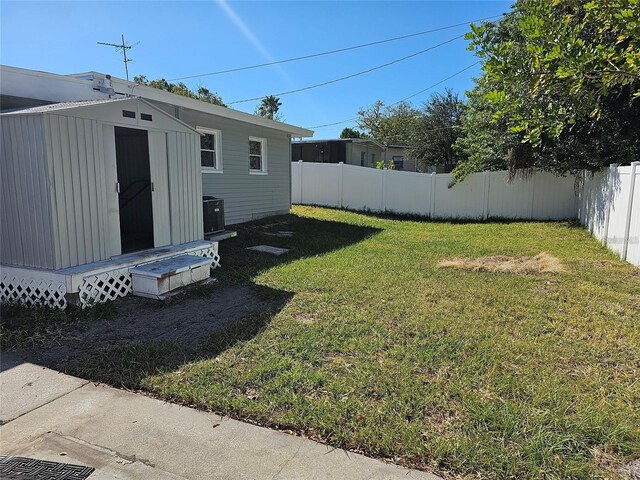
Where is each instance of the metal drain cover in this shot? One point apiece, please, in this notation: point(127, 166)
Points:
point(22, 468)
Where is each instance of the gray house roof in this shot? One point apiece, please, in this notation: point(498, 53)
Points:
point(20, 82)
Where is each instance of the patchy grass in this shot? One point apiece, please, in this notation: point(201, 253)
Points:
point(36, 327)
point(541, 263)
point(472, 374)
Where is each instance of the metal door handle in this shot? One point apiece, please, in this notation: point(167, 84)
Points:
point(118, 187)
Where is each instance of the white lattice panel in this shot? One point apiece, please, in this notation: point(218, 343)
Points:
point(30, 291)
point(210, 252)
point(105, 287)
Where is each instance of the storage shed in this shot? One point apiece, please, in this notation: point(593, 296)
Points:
point(91, 189)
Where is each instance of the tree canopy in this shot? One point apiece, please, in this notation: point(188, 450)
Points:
point(559, 89)
point(180, 88)
point(348, 132)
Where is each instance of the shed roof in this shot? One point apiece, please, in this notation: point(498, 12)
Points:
point(62, 106)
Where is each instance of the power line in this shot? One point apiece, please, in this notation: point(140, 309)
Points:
point(404, 99)
point(330, 52)
point(353, 75)
point(124, 47)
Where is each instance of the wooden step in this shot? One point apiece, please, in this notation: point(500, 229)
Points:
point(158, 279)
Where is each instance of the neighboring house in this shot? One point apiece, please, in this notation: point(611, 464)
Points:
point(100, 175)
point(353, 151)
point(397, 155)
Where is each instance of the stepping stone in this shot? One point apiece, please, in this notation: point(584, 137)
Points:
point(281, 233)
point(269, 249)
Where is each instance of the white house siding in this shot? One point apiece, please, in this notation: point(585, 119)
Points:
point(25, 215)
point(246, 196)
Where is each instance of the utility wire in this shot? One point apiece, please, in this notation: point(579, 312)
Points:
point(353, 75)
point(404, 99)
point(330, 52)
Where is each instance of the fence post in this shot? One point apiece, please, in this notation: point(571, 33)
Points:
point(532, 194)
point(613, 167)
point(340, 182)
point(487, 186)
point(432, 214)
point(383, 196)
point(300, 163)
point(627, 226)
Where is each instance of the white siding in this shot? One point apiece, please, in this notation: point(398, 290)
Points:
point(25, 214)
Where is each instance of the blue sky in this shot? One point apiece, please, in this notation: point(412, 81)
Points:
point(188, 38)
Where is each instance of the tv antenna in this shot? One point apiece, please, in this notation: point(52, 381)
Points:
point(124, 47)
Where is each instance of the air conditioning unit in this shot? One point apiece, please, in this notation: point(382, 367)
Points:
point(213, 209)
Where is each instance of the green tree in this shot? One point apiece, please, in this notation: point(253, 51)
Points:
point(180, 88)
point(436, 132)
point(352, 133)
point(269, 107)
point(390, 125)
point(559, 88)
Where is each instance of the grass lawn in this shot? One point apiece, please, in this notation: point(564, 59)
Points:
point(468, 374)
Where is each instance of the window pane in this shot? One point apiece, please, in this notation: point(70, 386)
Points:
point(208, 159)
point(255, 148)
point(208, 142)
point(255, 162)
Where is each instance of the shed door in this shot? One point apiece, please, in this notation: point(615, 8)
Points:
point(160, 179)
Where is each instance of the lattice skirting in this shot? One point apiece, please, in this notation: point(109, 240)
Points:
point(31, 291)
point(210, 252)
point(114, 284)
point(104, 287)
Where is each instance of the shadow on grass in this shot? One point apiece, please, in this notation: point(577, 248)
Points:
point(310, 237)
point(389, 215)
point(123, 342)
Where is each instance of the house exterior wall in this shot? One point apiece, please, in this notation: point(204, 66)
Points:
point(26, 227)
point(246, 196)
point(355, 150)
point(409, 164)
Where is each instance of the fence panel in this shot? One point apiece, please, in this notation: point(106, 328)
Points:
point(361, 188)
point(463, 200)
point(608, 202)
point(407, 192)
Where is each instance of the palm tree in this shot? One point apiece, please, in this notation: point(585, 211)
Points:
point(269, 107)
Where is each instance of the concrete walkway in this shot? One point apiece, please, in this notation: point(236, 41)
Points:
point(51, 416)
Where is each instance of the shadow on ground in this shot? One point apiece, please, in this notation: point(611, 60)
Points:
point(125, 341)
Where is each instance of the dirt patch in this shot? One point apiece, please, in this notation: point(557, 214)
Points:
point(186, 320)
point(541, 263)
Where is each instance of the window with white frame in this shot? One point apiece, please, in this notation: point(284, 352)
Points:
point(210, 158)
point(257, 155)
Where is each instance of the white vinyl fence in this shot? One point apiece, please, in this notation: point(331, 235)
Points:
point(609, 207)
point(484, 195)
point(608, 202)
